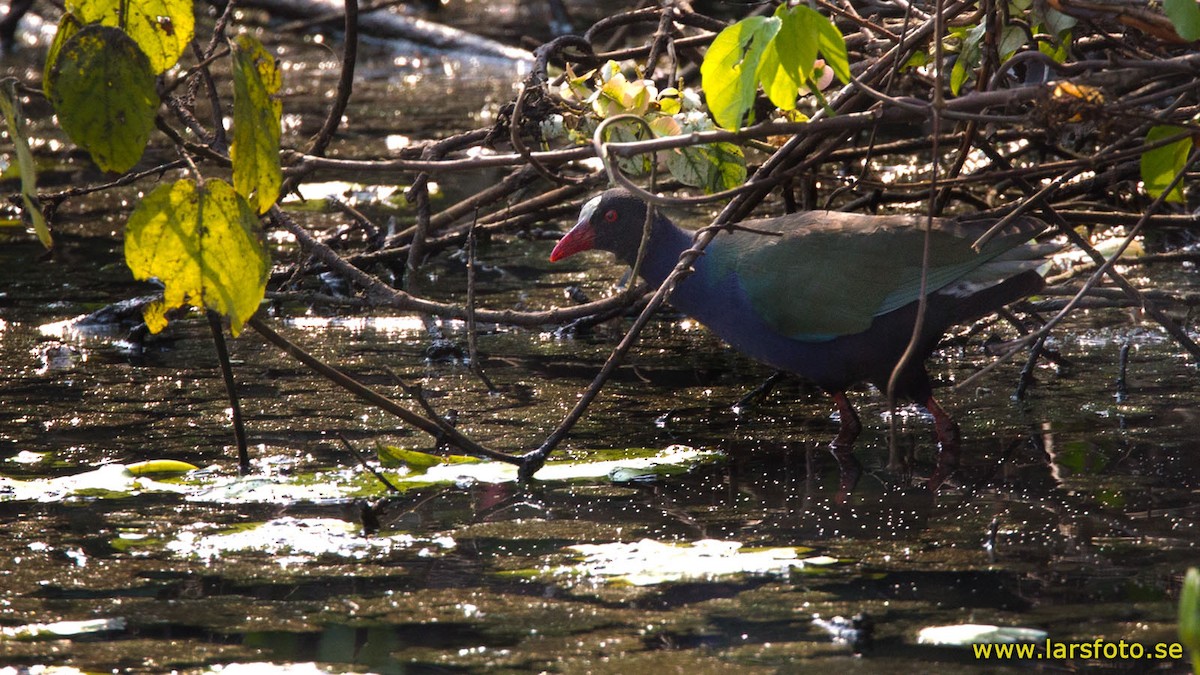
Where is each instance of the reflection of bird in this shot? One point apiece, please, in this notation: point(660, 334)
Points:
point(830, 296)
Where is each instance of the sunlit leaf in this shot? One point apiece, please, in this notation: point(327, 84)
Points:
point(830, 43)
point(619, 95)
point(417, 461)
point(665, 126)
point(576, 88)
point(669, 101)
point(204, 243)
point(1160, 165)
point(9, 104)
point(161, 28)
point(787, 61)
point(103, 91)
point(728, 74)
point(256, 113)
point(158, 467)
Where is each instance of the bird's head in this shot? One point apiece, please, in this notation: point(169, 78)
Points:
point(611, 222)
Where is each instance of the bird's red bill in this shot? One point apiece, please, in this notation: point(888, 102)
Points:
point(580, 238)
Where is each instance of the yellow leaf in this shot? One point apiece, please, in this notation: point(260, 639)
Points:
point(204, 243)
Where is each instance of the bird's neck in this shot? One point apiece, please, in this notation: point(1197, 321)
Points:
point(667, 242)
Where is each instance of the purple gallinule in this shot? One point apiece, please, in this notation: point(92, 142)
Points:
point(829, 296)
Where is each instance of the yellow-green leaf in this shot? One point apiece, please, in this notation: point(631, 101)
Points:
point(830, 43)
point(9, 106)
point(204, 243)
point(103, 91)
point(417, 461)
point(68, 26)
point(256, 114)
point(157, 467)
point(162, 28)
point(787, 61)
point(728, 73)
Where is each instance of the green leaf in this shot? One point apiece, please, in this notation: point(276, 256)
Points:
point(205, 244)
point(68, 26)
point(158, 467)
point(830, 43)
point(103, 90)
point(1012, 38)
point(628, 131)
point(968, 57)
point(256, 114)
point(161, 28)
point(787, 61)
point(1185, 16)
point(9, 106)
point(1189, 615)
point(917, 60)
point(1056, 50)
point(1160, 165)
point(728, 74)
point(417, 461)
point(713, 167)
point(958, 76)
point(1056, 22)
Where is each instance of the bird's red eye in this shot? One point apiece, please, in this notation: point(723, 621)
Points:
point(610, 216)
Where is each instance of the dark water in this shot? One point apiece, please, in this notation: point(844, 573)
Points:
point(1075, 512)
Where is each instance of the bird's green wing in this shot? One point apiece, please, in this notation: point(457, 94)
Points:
point(829, 274)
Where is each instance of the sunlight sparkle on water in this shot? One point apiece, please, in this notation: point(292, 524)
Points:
point(392, 325)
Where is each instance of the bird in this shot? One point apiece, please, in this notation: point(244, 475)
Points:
point(830, 296)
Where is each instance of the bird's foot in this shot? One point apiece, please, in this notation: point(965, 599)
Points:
point(849, 471)
point(949, 444)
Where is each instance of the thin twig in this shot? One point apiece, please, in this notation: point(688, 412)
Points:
point(434, 427)
point(472, 326)
point(362, 461)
